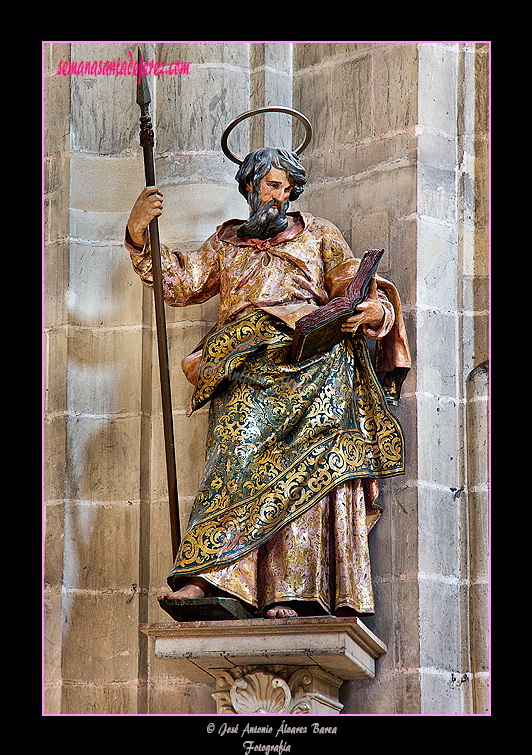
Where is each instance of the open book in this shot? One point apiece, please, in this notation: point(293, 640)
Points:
point(321, 330)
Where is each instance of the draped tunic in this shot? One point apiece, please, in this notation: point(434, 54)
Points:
point(282, 437)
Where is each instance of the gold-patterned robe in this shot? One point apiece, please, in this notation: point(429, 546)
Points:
point(294, 451)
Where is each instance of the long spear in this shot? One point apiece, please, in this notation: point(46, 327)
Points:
point(146, 141)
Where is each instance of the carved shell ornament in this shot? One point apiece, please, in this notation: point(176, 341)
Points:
point(272, 109)
point(274, 690)
point(260, 693)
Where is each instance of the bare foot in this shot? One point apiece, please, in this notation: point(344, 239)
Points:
point(280, 612)
point(195, 588)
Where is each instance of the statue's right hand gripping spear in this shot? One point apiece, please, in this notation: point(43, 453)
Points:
point(146, 141)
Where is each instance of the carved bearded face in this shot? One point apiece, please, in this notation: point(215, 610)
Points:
point(269, 178)
point(268, 205)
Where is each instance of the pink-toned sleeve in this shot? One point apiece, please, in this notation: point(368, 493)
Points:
point(189, 277)
point(387, 322)
point(340, 266)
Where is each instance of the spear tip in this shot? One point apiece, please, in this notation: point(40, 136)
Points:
point(143, 92)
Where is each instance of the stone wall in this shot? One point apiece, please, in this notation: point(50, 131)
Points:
point(56, 177)
point(399, 159)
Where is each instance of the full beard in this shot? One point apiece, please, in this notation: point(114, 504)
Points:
point(266, 219)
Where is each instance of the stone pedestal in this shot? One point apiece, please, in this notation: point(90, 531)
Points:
point(271, 666)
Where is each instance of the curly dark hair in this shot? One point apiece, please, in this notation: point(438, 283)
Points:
point(258, 164)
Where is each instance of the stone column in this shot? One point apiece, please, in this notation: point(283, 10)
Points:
point(105, 399)
point(479, 511)
point(451, 334)
point(270, 84)
point(56, 175)
point(200, 193)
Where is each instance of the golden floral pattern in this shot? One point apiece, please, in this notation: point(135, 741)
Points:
point(322, 557)
point(281, 436)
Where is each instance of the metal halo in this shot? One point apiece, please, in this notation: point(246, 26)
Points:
point(272, 109)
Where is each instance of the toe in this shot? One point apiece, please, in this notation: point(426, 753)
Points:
point(280, 612)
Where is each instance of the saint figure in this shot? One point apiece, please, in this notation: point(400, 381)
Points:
point(294, 451)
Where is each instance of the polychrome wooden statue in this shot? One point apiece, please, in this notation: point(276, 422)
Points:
point(295, 449)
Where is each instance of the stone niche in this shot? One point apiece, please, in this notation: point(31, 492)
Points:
point(266, 666)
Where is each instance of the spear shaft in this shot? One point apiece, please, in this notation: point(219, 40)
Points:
point(147, 141)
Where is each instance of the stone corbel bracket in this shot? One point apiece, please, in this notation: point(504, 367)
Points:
point(270, 665)
point(271, 690)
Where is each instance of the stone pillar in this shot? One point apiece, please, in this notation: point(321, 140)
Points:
point(478, 497)
point(270, 84)
point(200, 193)
point(451, 336)
point(474, 180)
point(105, 400)
point(56, 175)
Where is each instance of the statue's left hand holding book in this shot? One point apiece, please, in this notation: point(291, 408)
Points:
point(319, 331)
